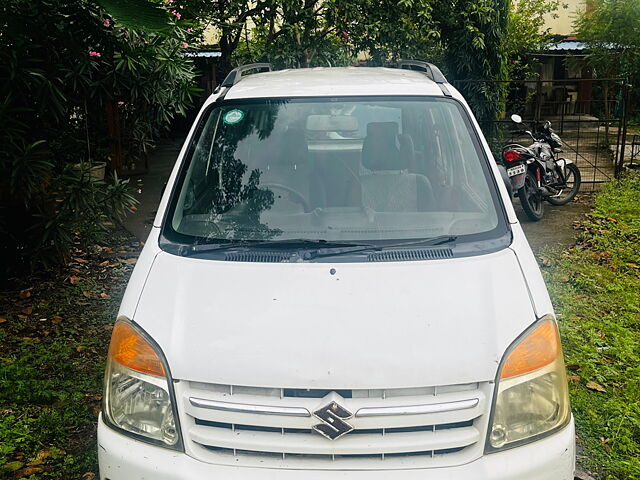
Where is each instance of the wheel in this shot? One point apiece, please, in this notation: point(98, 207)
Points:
point(531, 197)
point(573, 179)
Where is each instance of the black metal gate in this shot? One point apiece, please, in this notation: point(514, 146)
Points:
point(590, 115)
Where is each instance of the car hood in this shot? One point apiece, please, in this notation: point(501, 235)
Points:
point(342, 326)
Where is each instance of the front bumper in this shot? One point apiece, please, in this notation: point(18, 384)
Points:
point(122, 458)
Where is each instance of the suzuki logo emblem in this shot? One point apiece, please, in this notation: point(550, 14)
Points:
point(333, 416)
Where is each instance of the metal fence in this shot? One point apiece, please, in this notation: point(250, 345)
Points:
point(590, 115)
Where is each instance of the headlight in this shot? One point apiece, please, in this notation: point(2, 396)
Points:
point(531, 398)
point(139, 399)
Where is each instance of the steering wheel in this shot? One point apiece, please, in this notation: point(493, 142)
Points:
point(298, 197)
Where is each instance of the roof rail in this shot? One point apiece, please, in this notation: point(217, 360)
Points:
point(235, 75)
point(430, 69)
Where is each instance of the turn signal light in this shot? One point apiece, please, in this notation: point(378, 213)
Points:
point(538, 349)
point(130, 349)
point(512, 155)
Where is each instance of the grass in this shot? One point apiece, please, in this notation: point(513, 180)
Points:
point(595, 287)
point(54, 332)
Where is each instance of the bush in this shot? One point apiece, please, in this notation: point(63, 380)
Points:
point(68, 72)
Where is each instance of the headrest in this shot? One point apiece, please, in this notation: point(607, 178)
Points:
point(380, 149)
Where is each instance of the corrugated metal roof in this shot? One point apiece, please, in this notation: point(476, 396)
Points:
point(203, 54)
point(568, 45)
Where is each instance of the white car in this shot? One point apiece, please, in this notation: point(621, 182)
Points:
point(336, 287)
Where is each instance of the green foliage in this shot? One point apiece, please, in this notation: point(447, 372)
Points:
point(610, 29)
point(53, 342)
point(386, 31)
point(526, 34)
point(293, 35)
point(137, 14)
point(67, 70)
point(596, 289)
point(474, 33)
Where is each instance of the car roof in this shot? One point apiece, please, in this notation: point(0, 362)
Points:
point(334, 81)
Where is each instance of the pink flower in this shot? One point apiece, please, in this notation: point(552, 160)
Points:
point(94, 54)
point(120, 102)
point(190, 30)
point(176, 14)
point(185, 44)
point(106, 22)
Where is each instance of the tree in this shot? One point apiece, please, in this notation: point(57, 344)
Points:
point(386, 31)
point(527, 35)
point(610, 30)
point(63, 65)
point(474, 33)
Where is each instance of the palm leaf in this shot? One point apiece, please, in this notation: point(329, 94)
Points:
point(137, 14)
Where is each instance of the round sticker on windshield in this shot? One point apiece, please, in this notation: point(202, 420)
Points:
point(233, 116)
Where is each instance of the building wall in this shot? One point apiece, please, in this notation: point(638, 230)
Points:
point(563, 24)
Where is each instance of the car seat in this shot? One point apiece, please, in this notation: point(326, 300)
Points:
point(387, 186)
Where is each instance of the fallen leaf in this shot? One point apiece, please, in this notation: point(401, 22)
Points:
point(582, 475)
point(105, 295)
point(28, 471)
point(605, 440)
point(573, 378)
point(80, 348)
point(106, 249)
point(27, 310)
point(80, 260)
point(26, 293)
point(22, 316)
point(131, 261)
point(13, 466)
point(108, 327)
point(564, 278)
point(105, 263)
point(73, 279)
point(611, 219)
point(87, 294)
point(595, 386)
point(2, 319)
point(545, 262)
point(56, 319)
point(88, 476)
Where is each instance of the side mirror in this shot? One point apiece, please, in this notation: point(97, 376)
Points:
point(516, 118)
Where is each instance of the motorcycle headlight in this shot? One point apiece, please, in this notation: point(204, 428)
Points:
point(531, 398)
point(139, 399)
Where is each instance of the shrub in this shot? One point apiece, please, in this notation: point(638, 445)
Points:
point(67, 70)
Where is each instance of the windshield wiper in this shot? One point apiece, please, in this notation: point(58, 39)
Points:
point(316, 245)
point(313, 248)
point(426, 242)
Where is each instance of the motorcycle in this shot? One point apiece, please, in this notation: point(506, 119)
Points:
point(536, 174)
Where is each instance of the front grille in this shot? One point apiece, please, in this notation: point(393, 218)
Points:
point(398, 428)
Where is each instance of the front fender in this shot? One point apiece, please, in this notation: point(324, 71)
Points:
point(563, 162)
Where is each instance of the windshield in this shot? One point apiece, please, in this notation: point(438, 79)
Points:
point(333, 169)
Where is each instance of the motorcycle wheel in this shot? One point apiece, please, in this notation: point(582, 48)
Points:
point(531, 197)
point(573, 179)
